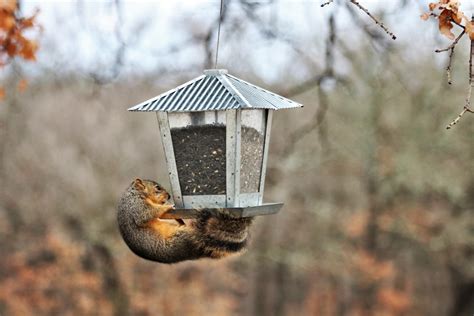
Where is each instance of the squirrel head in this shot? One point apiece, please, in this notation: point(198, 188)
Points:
point(151, 190)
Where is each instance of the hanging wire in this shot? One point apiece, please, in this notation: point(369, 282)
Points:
point(219, 34)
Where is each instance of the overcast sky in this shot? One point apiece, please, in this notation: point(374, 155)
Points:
point(79, 35)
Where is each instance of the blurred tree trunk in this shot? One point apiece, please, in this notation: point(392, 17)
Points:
point(262, 271)
point(99, 258)
point(12, 123)
point(372, 185)
point(462, 285)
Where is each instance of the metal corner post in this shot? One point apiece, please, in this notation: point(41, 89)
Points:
point(233, 131)
point(167, 142)
point(266, 145)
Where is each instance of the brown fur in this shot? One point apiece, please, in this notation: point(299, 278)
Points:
point(140, 210)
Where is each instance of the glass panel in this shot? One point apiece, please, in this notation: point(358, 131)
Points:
point(251, 148)
point(199, 145)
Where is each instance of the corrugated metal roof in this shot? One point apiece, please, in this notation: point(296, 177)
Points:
point(215, 90)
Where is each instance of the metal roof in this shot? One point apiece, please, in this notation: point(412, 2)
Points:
point(215, 90)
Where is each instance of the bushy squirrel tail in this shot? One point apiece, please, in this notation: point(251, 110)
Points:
point(220, 235)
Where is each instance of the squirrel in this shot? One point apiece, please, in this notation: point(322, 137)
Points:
point(210, 235)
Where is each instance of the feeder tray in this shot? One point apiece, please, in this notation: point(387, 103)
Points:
point(235, 212)
point(215, 132)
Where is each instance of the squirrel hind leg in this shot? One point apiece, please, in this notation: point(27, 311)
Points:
point(164, 229)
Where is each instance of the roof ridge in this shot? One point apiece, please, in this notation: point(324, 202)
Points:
point(233, 90)
point(263, 89)
point(215, 90)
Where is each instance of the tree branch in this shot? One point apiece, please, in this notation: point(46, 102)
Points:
point(451, 54)
point(379, 23)
point(318, 121)
point(467, 104)
point(326, 3)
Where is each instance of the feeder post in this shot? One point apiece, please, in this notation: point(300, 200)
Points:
point(170, 158)
point(233, 128)
point(266, 145)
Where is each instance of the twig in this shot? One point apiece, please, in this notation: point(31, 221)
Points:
point(467, 105)
point(379, 23)
point(275, 34)
point(451, 54)
point(456, 120)
point(326, 3)
point(452, 45)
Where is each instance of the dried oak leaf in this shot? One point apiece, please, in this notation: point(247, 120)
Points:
point(25, 23)
point(425, 16)
point(7, 21)
point(469, 29)
point(445, 23)
point(449, 13)
point(11, 48)
point(28, 50)
point(8, 5)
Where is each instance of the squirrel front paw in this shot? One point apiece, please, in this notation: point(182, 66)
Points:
point(163, 209)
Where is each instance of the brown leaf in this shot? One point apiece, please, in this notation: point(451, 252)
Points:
point(28, 50)
point(2, 93)
point(452, 5)
point(457, 16)
point(7, 21)
point(425, 16)
point(8, 5)
point(433, 6)
point(445, 24)
point(470, 30)
point(11, 49)
point(29, 22)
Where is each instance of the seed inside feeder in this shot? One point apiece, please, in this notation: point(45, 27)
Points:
point(251, 159)
point(200, 153)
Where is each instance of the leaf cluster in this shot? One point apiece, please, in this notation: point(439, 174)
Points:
point(13, 39)
point(447, 12)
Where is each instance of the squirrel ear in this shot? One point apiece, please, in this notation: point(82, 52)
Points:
point(138, 183)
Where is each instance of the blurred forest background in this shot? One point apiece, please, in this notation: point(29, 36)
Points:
point(379, 196)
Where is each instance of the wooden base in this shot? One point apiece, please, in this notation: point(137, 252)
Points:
point(236, 212)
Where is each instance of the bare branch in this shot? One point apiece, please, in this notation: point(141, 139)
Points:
point(456, 120)
point(271, 33)
point(379, 23)
point(118, 61)
point(374, 35)
point(328, 72)
point(451, 54)
point(326, 3)
point(318, 121)
point(453, 44)
point(467, 105)
point(311, 83)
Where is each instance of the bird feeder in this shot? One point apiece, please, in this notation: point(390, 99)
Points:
point(215, 131)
